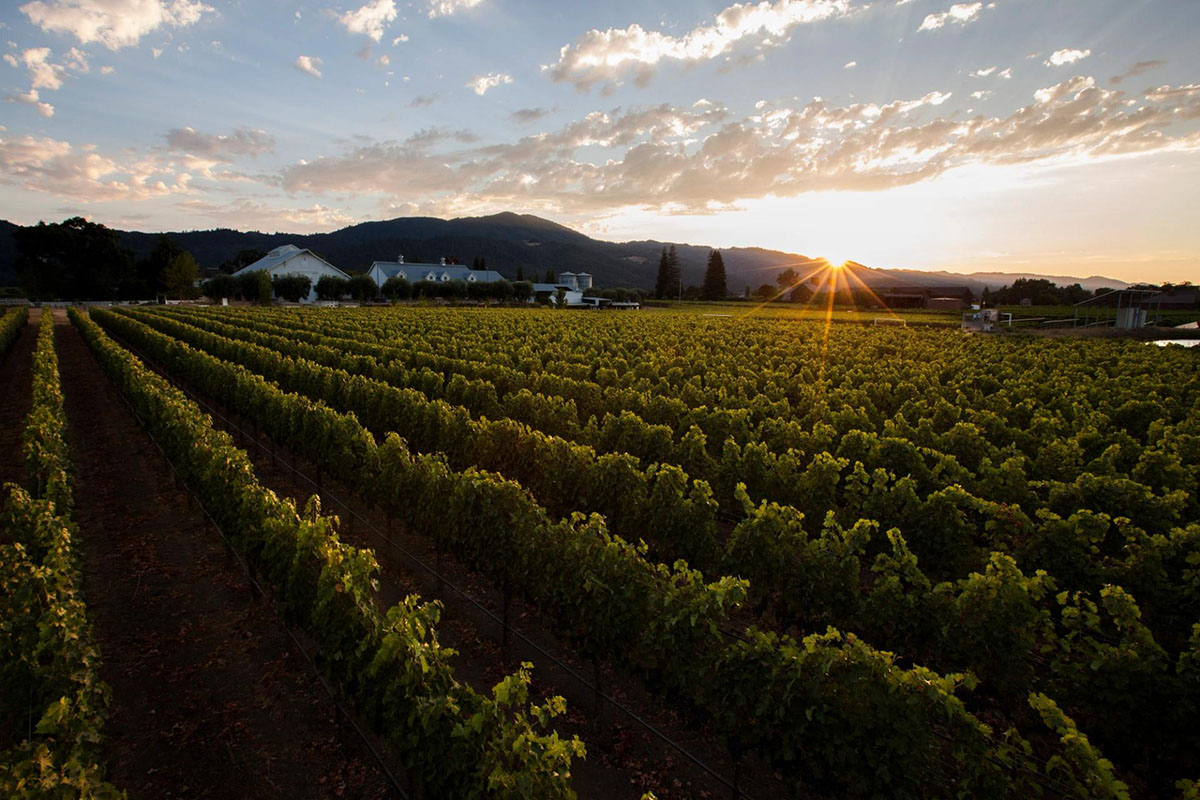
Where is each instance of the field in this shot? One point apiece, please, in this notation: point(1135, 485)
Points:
point(826, 559)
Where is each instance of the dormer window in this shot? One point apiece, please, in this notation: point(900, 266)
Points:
point(431, 276)
point(471, 278)
point(445, 277)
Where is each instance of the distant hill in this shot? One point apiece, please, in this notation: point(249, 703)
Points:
point(508, 241)
point(995, 280)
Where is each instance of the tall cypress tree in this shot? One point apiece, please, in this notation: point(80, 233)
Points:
point(675, 286)
point(667, 283)
point(660, 283)
point(714, 277)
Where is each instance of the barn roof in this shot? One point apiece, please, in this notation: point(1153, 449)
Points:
point(418, 272)
point(281, 255)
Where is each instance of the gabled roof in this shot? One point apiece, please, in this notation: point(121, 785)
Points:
point(414, 273)
point(281, 255)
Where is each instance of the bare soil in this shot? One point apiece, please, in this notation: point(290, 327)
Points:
point(210, 697)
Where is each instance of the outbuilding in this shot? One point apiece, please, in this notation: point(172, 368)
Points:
point(571, 296)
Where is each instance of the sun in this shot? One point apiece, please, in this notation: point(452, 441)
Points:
point(835, 262)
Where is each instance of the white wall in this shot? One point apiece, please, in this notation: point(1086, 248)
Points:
point(309, 265)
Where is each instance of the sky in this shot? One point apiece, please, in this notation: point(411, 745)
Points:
point(1051, 136)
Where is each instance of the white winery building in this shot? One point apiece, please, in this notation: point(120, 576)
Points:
point(380, 271)
point(288, 259)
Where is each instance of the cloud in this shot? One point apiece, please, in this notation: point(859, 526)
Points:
point(112, 23)
point(77, 61)
point(370, 19)
point(527, 115)
point(248, 214)
point(222, 147)
point(444, 8)
point(959, 14)
point(1061, 57)
point(401, 38)
point(44, 74)
point(11, 60)
point(309, 64)
point(31, 98)
point(1168, 93)
point(81, 173)
point(987, 72)
point(851, 65)
point(481, 83)
point(609, 55)
point(704, 159)
point(1135, 70)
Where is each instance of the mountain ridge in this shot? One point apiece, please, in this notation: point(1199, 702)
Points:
point(509, 241)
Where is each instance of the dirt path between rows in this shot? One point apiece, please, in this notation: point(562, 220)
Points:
point(16, 376)
point(210, 697)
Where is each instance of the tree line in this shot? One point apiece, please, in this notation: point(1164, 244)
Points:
point(81, 260)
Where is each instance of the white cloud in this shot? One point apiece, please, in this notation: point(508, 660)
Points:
point(309, 64)
point(81, 173)
point(251, 215)
point(113, 23)
point(444, 8)
point(851, 65)
point(242, 142)
point(1062, 57)
point(44, 74)
point(370, 19)
point(481, 83)
point(702, 159)
point(77, 60)
point(107, 70)
point(31, 98)
point(11, 60)
point(1005, 73)
point(982, 94)
point(608, 55)
point(401, 38)
point(959, 13)
point(1167, 93)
